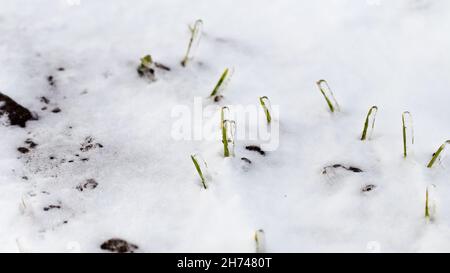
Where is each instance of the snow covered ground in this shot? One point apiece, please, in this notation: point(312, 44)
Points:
point(107, 164)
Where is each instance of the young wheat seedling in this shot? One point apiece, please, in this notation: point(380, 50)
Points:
point(146, 61)
point(196, 32)
point(228, 134)
point(427, 209)
point(328, 95)
point(197, 160)
point(224, 115)
point(407, 123)
point(146, 68)
point(437, 153)
point(265, 104)
point(222, 83)
point(370, 118)
point(430, 206)
point(260, 241)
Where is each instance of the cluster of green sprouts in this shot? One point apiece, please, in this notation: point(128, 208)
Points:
point(437, 154)
point(370, 119)
point(265, 104)
point(328, 95)
point(196, 31)
point(407, 123)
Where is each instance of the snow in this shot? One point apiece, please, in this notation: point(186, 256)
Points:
point(393, 54)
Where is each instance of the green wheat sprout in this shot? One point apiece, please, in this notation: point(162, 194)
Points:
point(196, 32)
point(427, 208)
point(265, 104)
point(222, 82)
point(259, 241)
point(407, 123)
point(197, 160)
point(224, 113)
point(437, 153)
point(430, 205)
point(370, 119)
point(228, 134)
point(328, 95)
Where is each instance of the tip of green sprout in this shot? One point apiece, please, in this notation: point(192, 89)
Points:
point(437, 153)
point(265, 104)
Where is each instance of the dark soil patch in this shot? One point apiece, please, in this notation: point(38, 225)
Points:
point(23, 150)
point(218, 98)
point(17, 114)
point(246, 160)
point(349, 168)
point(119, 246)
point(31, 143)
point(368, 188)
point(52, 207)
point(45, 100)
point(90, 184)
point(56, 110)
point(255, 149)
point(89, 144)
point(51, 80)
point(146, 72)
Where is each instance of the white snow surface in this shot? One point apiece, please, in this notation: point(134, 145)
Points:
point(393, 54)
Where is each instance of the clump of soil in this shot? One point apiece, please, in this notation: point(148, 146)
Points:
point(349, 168)
point(119, 246)
point(56, 110)
point(218, 98)
point(255, 149)
point(146, 72)
point(89, 144)
point(246, 160)
point(23, 150)
point(45, 100)
point(17, 114)
point(52, 207)
point(368, 188)
point(31, 143)
point(90, 184)
point(51, 80)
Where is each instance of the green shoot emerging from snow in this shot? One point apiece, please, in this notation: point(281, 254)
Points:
point(228, 132)
point(437, 153)
point(224, 115)
point(370, 119)
point(260, 241)
point(430, 205)
point(197, 161)
point(222, 83)
point(265, 104)
point(328, 95)
point(146, 61)
point(196, 32)
point(427, 209)
point(407, 123)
